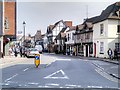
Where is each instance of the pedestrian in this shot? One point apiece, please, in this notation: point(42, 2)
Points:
point(115, 54)
point(10, 51)
point(15, 51)
point(21, 51)
point(110, 53)
point(68, 51)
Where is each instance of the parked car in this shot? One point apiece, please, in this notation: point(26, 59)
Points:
point(31, 52)
point(39, 48)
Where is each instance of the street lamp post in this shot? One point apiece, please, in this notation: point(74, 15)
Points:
point(24, 36)
point(24, 29)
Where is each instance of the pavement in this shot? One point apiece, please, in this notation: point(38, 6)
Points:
point(10, 60)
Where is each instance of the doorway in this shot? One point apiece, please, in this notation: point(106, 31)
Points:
point(86, 50)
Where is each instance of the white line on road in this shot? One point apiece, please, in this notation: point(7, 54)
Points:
point(62, 59)
point(25, 69)
point(98, 66)
point(70, 85)
point(33, 83)
point(50, 76)
point(44, 86)
point(94, 86)
point(53, 84)
point(104, 74)
point(11, 77)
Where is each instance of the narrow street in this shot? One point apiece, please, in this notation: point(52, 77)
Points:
point(59, 71)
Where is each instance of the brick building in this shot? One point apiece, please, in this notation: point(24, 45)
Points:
point(8, 27)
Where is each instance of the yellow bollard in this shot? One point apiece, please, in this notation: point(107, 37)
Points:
point(37, 60)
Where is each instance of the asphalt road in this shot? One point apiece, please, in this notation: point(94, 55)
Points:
point(63, 72)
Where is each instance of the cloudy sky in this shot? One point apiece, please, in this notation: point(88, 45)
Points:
point(38, 14)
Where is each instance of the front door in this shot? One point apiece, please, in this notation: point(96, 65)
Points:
point(86, 50)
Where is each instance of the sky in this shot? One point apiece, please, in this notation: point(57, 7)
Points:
point(38, 14)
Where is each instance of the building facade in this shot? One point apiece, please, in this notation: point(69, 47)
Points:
point(84, 39)
point(106, 31)
point(53, 31)
point(1, 31)
point(60, 39)
point(70, 49)
point(8, 31)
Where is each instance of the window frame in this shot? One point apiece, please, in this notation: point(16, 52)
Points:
point(101, 47)
point(101, 29)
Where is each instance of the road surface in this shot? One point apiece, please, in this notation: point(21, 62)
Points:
point(59, 72)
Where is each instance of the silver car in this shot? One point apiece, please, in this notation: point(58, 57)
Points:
point(31, 52)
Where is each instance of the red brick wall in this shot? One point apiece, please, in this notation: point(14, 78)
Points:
point(10, 13)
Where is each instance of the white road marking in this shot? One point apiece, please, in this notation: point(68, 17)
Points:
point(69, 85)
point(98, 66)
point(19, 85)
point(33, 83)
point(50, 63)
point(44, 86)
point(61, 87)
point(94, 86)
point(6, 84)
point(11, 77)
point(104, 74)
point(25, 69)
point(11, 82)
point(53, 84)
point(50, 76)
point(62, 59)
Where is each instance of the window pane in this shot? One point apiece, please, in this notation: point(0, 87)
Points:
point(101, 28)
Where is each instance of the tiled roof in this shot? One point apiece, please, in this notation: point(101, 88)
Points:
point(57, 23)
point(109, 12)
point(66, 23)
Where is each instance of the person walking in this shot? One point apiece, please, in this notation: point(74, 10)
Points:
point(116, 54)
point(21, 51)
point(15, 51)
point(110, 53)
point(10, 51)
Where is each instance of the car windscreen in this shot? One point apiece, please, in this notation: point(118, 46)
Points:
point(33, 49)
